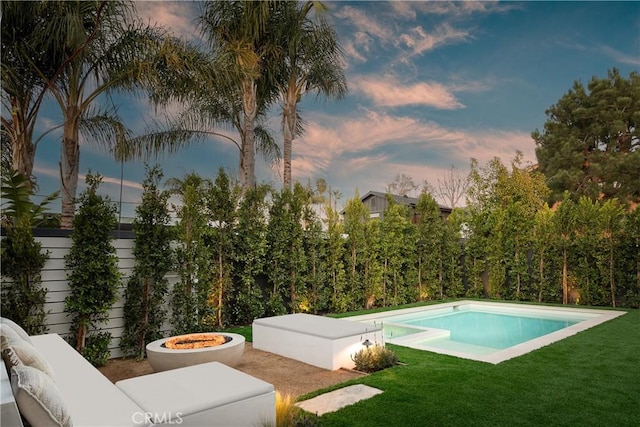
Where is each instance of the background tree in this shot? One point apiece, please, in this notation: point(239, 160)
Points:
point(5, 154)
point(336, 281)
point(398, 253)
point(356, 216)
point(429, 257)
point(312, 62)
point(103, 50)
point(221, 205)
point(372, 265)
point(145, 293)
point(629, 255)
point(503, 205)
point(589, 145)
point(544, 244)
point(588, 284)
point(189, 297)
point(402, 185)
point(564, 226)
point(92, 269)
point(314, 248)
point(450, 187)
point(250, 252)
point(28, 58)
point(285, 255)
point(452, 255)
point(244, 33)
point(611, 227)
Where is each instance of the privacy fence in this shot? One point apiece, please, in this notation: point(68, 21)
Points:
point(54, 279)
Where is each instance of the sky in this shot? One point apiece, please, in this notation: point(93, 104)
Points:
point(432, 84)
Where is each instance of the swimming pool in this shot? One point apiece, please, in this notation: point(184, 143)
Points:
point(485, 331)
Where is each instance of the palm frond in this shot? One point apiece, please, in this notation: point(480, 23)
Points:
point(266, 144)
point(17, 207)
point(104, 127)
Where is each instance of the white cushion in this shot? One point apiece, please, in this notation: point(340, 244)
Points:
point(38, 398)
point(26, 353)
point(91, 399)
point(17, 328)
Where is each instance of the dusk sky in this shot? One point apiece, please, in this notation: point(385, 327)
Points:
point(431, 84)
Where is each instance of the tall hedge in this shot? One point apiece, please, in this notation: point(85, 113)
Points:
point(92, 266)
point(145, 294)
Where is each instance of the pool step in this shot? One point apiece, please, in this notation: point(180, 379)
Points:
point(426, 334)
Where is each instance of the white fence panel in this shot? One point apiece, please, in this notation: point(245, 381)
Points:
point(54, 279)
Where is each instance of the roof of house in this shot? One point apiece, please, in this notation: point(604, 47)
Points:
point(406, 200)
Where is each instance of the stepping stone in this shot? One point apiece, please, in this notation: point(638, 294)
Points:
point(338, 399)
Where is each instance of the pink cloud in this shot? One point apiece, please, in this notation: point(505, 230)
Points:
point(419, 41)
point(361, 149)
point(176, 16)
point(389, 92)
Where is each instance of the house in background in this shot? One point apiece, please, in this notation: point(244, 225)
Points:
point(377, 203)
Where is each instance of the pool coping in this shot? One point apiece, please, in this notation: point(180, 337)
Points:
point(598, 316)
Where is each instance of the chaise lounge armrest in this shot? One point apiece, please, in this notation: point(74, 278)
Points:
point(91, 399)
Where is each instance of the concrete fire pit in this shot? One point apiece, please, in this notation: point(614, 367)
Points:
point(162, 358)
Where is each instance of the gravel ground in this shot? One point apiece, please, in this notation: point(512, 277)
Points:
point(287, 376)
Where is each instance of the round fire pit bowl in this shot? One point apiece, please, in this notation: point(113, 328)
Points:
point(228, 352)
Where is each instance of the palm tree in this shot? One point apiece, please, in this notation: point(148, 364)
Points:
point(312, 62)
point(27, 56)
point(241, 32)
point(105, 50)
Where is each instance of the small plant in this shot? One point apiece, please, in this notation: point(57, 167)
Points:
point(375, 358)
point(289, 415)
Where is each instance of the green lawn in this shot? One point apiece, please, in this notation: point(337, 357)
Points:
point(590, 379)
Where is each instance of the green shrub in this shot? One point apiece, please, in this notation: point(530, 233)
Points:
point(96, 349)
point(145, 294)
point(374, 358)
point(92, 263)
point(289, 415)
point(22, 296)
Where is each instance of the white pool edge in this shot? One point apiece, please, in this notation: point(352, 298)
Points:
point(599, 316)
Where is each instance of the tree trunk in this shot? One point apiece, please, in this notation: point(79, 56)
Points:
point(353, 263)
point(220, 285)
point(288, 131)
point(611, 278)
point(248, 150)
point(541, 272)
point(516, 262)
point(419, 278)
point(146, 291)
point(314, 287)
point(486, 290)
point(81, 335)
point(384, 283)
point(441, 277)
point(69, 167)
point(565, 278)
point(292, 291)
point(22, 149)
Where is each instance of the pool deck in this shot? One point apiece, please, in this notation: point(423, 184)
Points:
point(594, 317)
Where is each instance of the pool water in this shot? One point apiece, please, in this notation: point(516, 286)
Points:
point(490, 329)
point(490, 332)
